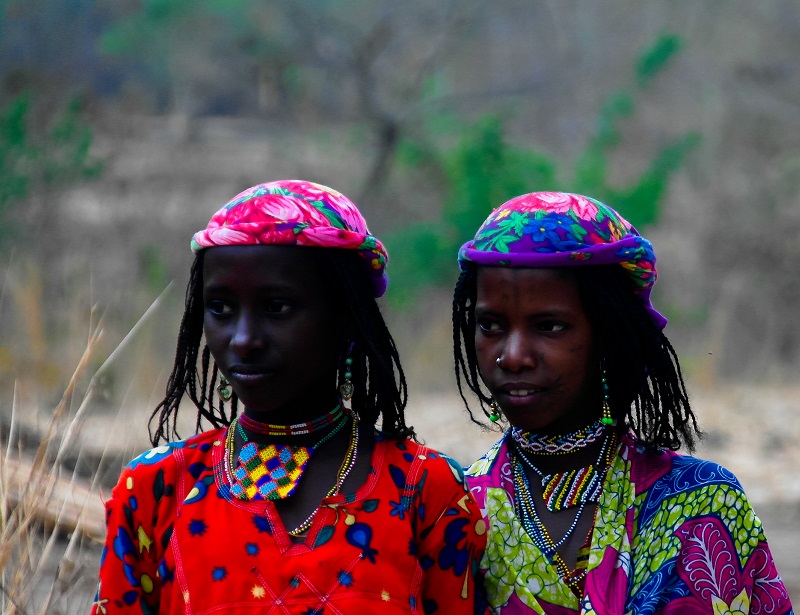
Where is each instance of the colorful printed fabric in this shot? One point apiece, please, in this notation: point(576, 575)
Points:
point(295, 212)
point(673, 535)
point(407, 541)
point(557, 229)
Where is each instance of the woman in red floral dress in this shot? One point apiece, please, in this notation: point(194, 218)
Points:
point(308, 494)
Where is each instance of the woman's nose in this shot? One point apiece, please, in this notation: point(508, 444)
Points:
point(517, 353)
point(246, 335)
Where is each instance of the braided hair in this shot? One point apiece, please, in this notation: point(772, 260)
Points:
point(378, 379)
point(646, 388)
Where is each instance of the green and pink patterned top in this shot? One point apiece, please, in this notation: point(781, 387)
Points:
point(673, 535)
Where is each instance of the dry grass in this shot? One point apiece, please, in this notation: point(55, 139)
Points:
point(52, 521)
point(39, 508)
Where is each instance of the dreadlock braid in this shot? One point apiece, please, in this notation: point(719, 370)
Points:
point(646, 387)
point(379, 381)
point(464, 340)
point(377, 375)
point(185, 376)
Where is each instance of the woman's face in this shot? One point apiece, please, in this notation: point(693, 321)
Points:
point(533, 320)
point(271, 329)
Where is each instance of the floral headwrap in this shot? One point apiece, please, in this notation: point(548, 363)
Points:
point(557, 229)
point(296, 212)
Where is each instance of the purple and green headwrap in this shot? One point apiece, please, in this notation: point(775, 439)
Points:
point(557, 229)
point(296, 212)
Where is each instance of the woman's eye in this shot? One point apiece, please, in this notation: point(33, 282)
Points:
point(277, 306)
point(487, 325)
point(218, 308)
point(552, 326)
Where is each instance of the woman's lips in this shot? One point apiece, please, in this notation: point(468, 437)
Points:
point(249, 375)
point(518, 394)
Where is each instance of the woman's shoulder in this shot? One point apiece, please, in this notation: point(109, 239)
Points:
point(680, 471)
point(160, 458)
point(667, 478)
point(484, 465)
point(438, 465)
point(690, 470)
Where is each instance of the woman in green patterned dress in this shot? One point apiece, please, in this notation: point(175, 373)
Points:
point(588, 506)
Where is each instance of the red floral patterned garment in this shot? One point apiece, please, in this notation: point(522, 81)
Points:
point(407, 541)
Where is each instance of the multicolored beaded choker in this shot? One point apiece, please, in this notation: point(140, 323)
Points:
point(271, 471)
point(564, 490)
point(542, 444)
point(291, 430)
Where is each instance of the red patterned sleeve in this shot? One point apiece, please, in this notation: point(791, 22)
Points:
point(130, 573)
point(451, 539)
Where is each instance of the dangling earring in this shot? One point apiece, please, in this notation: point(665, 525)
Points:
point(606, 419)
point(494, 416)
point(346, 388)
point(224, 390)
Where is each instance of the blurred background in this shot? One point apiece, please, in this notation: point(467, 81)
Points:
point(124, 124)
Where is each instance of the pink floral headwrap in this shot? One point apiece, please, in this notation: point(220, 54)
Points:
point(559, 229)
point(296, 212)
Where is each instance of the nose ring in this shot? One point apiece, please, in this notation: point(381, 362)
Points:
point(498, 362)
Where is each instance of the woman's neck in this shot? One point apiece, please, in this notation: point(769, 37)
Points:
point(296, 412)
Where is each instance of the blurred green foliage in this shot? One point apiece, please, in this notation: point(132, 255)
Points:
point(159, 26)
point(483, 170)
point(161, 39)
point(640, 201)
point(153, 268)
point(37, 153)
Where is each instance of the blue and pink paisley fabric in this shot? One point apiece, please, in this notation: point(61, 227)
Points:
point(407, 541)
point(559, 229)
point(296, 212)
point(673, 535)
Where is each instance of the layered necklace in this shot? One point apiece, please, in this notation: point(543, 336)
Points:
point(348, 463)
point(273, 471)
point(562, 490)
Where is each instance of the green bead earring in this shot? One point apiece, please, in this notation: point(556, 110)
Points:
point(494, 416)
point(224, 389)
point(346, 387)
point(606, 419)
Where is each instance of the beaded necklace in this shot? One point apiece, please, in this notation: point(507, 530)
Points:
point(536, 530)
point(560, 444)
point(563, 490)
point(532, 523)
point(526, 511)
point(271, 471)
point(348, 463)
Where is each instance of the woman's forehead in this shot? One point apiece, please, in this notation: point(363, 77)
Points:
point(534, 287)
point(260, 264)
point(522, 277)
